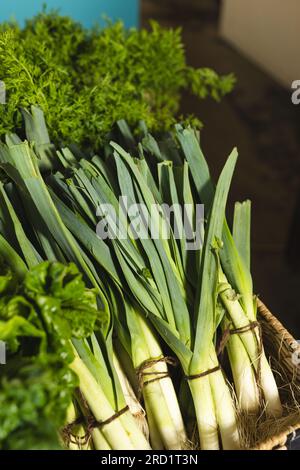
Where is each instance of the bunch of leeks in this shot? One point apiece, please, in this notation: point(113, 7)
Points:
point(161, 293)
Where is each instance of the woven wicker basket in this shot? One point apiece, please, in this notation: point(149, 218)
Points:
point(284, 353)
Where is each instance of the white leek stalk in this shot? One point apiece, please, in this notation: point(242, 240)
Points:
point(155, 439)
point(97, 441)
point(214, 408)
point(134, 405)
point(224, 406)
point(77, 431)
point(243, 374)
point(251, 341)
point(159, 396)
point(117, 436)
point(205, 413)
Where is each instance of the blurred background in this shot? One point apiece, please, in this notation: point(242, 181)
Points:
point(86, 11)
point(257, 41)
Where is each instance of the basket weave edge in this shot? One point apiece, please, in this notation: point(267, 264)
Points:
point(275, 323)
point(278, 441)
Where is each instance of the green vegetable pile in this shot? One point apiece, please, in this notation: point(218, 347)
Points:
point(152, 302)
point(39, 315)
point(86, 80)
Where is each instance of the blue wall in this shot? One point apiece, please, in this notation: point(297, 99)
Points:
point(85, 11)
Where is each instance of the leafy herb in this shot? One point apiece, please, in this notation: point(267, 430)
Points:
point(49, 307)
point(34, 397)
point(86, 80)
point(62, 298)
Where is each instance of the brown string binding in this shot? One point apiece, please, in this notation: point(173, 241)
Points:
point(140, 371)
point(202, 374)
point(99, 424)
point(244, 329)
point(69, 437)
point(92, 423)
point(235, 331)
